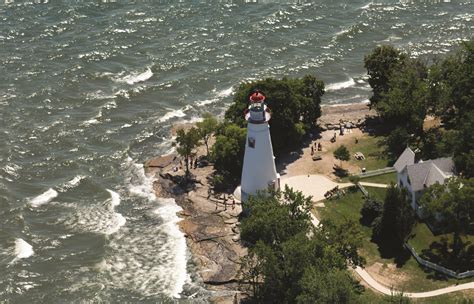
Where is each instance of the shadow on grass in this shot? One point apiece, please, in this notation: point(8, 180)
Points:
point(392, 249)
point(441, 253)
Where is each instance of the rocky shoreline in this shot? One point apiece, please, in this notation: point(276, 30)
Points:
point(210, 224)
point(211, 220)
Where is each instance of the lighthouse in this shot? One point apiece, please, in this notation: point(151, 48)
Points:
point(259, 171)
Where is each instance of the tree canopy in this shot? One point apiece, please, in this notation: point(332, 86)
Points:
point(228, 150)
point(294, 104)
point(289, 260)
point(453, 205)
point(206, 128)
point(342, 153)
point(187, 142)
point(397, 219)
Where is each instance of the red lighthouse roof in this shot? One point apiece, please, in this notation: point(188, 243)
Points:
point(257, 96)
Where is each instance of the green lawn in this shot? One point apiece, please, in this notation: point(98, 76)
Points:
point(373, 150)
point(435, 247)
point(415, 278)
point(381, 179)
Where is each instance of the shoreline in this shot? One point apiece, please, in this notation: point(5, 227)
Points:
point(210, 223)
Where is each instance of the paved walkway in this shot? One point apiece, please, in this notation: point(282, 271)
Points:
point(367, 184)
point(315, 185)
point(387, 291)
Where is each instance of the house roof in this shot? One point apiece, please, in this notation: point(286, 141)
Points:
point(405, 159)
point(425, 174)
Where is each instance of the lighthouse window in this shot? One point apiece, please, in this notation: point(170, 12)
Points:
point(251, 142)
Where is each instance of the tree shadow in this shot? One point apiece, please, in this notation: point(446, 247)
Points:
point(292, 154)
point(441, 252)
point(390, 248)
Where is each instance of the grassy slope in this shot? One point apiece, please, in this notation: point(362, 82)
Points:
point(415, 278)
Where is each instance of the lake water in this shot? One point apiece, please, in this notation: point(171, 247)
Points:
point(90, 89)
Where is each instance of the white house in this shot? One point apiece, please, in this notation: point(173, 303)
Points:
point(417, 176)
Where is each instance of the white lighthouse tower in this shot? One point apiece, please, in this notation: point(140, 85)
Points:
point(259, 171)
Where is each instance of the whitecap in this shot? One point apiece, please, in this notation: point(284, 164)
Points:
point(23, 249)
point(340, 85)
point(137, 77)
point(73, 182)
point(172, 114)
point(225, 93)
point(163, 269)
point(44, 198)
point(115, 197)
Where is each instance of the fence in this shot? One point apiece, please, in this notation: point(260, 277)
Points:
point(437, 267)
point(377, 172)
point(363, 190)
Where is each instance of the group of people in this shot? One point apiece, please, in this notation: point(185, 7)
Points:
point(316, 146)
point(193, 163)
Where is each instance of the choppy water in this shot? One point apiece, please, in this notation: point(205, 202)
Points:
point(89, 90)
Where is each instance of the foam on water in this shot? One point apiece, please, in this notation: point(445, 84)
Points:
point(150, 254)
point(115, 197)
point(136, 77)
point(23, 249)
point(174, 113)
point(44, 198)
point(340, 85)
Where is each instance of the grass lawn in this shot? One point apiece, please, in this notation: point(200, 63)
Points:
point(407, 275)
point(381, 179)
point(434, 247)
point(371, 147)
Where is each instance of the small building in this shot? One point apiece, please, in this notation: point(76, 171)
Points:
point(417, 176)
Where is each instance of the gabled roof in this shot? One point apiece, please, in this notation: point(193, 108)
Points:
point(425, 174)
point(405, 159)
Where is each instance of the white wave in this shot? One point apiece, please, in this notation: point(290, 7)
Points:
point(163, 268)
point(115, 197)
point(340, 85)
point(73, 182)
point(23, 249)
point(225, 93)
point(201, 103)
point(367, 6)
point(169, 213)
point(44, 198)
point(174, 113)
point(118, 222)
point(137, 77)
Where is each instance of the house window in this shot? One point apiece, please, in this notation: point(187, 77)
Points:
point(251, 142)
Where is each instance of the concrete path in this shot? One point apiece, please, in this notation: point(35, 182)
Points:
point(315, 185)
point(387, 291)
point(367, 184)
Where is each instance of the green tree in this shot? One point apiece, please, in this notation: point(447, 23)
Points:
point(333, 287)
point(206, 128)
point(228, 150)
point(380, 65)
point(404, 103)
point(294, 104)
point(287, 254)
point(451, 93)
point(453, 204)
point(342, 153)
point(187, 142)
point(398, 217)
point(397, 141)
point(371, 209)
